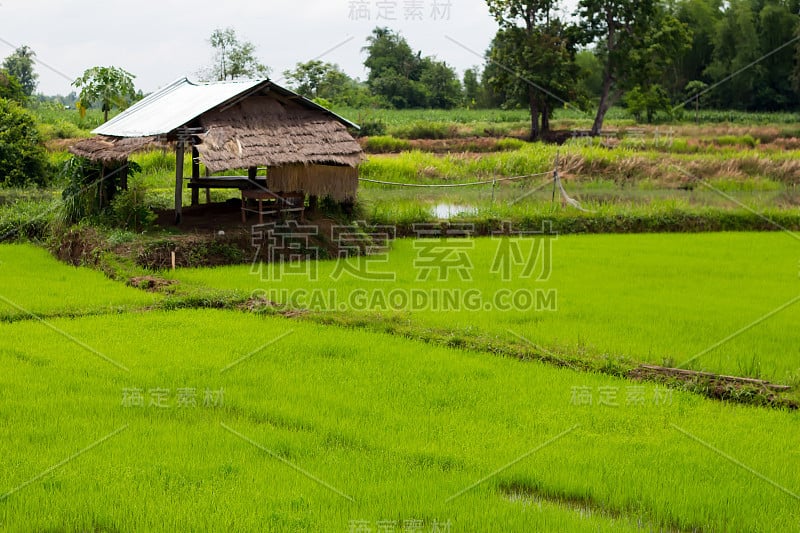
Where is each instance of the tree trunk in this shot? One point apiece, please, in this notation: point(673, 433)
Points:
point(534, 115)
point(546, 118)
point(602, 109)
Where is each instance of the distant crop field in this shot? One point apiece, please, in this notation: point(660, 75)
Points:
point(663, 299)
point(229, 421)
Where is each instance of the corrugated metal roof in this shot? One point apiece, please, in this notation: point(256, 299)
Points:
point(182, 101)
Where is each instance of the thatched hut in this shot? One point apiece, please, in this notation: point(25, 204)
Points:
point(305, 148)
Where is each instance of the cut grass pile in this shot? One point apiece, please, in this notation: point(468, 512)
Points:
point(32, 281)
point(325, 429)
point(663, 299)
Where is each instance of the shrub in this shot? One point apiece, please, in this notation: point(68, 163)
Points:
point(372, 127)
point(385, 144)
point(90, 189)
point(23, 160)
point(509, 145)
point(131, 210)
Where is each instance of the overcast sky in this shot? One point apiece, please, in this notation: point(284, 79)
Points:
point(160, 41)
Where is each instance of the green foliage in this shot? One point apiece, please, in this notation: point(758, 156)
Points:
point(11, 89)
point(233, 58)
point(91, 189)
point(472, 88)
point(372, 127)
point(648, 103)
point(318, 80)
point(23, 160)
point(636, 42)
point(509, 145)
point(131, 210)
point(535, 54)
point(108, 86)
point(386, 144)
point(404, 79)
point(751, 31)
point(20, 65)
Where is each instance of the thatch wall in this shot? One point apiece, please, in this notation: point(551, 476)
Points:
point(274, 132)
point(113, 149)
point(340, 183)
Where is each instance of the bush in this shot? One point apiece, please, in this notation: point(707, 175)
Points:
point(386, 144)
point(91, 189)
point(23, 160)
point(372, 127)
point(509, 145)
point(130, 210)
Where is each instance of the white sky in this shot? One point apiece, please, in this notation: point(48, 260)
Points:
point(160, 41)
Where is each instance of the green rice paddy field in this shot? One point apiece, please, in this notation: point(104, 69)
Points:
point(129, 419)
point(664, 298)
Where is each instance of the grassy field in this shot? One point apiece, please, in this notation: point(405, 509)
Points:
point(653, 298)
point(445, 385)
point(31, 281)
point(324, 429)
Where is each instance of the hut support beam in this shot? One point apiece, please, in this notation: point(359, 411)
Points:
point(195, 175)
point(179, 181)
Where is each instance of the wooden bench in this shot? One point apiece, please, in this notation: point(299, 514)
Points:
point(270, 203)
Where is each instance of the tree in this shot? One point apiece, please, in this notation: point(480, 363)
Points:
point(23, 159)
point(648, 102)
point(472, 88)
point(635, 40)
point(233, 58)
point(10, 88)
point(695, 90)
point(441, 83)
point(536, 55)
point(20, 65)
point(328, 82)
point(109, 86)
point(702, 17)
point(394, 70)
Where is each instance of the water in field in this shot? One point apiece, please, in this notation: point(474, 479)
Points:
point(448, 211)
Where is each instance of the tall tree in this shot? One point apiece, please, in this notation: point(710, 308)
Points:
point(702, 17)
point(633, 37)
point(233, 58)
point(394, 70)
point(535, 53)
point(405, 79)
point(442, 84)
point(472, 88)
point(20, 65)
point(109, 86)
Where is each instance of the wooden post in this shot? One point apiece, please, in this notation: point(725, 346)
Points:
point(195, 175)
point(101, 185)
point(252, 173)
point(208, 191)
point(179, 181)
point(124, 177)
